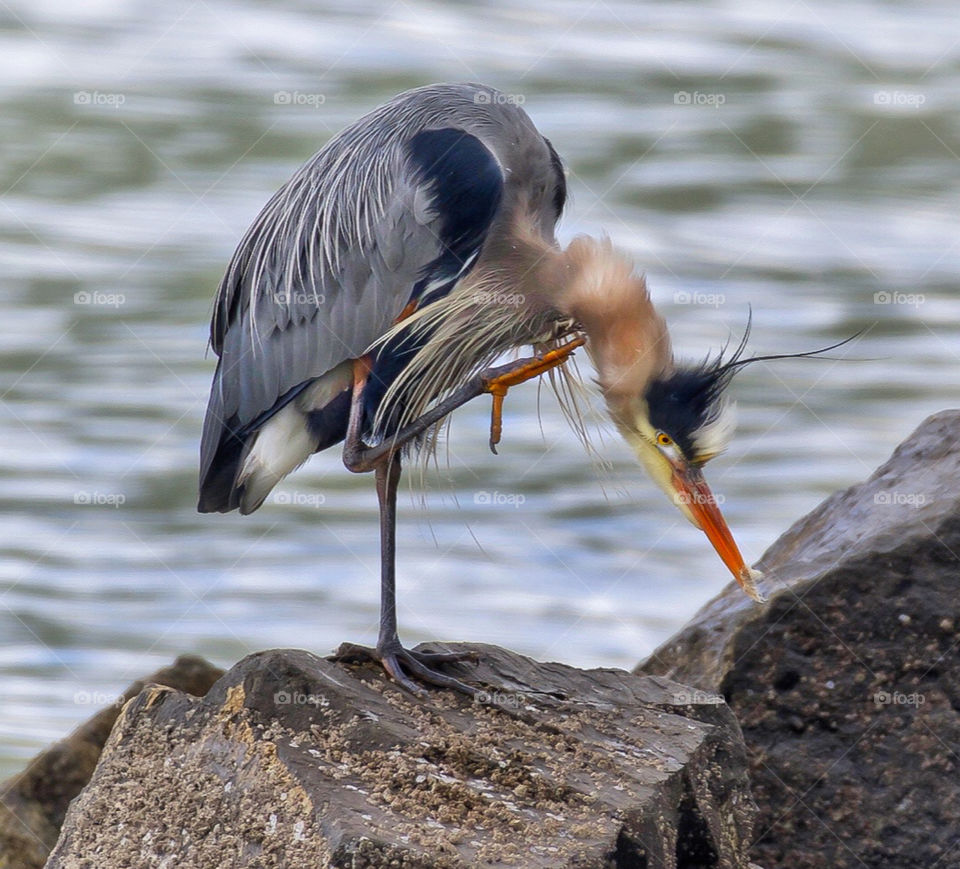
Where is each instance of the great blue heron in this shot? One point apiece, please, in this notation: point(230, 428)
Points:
point(377, 286)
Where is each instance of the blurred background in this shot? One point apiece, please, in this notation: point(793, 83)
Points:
point(799, 158)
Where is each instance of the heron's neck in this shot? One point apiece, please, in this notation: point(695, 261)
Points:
point(595, 285)
point(627, 339)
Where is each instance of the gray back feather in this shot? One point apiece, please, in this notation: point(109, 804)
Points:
point(330, 262)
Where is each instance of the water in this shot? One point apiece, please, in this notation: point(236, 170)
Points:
point(799, 159)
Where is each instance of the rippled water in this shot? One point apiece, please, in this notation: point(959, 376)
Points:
point(799, 159)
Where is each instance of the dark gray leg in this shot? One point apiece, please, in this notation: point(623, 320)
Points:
point(358, 457)
point(388, 478)
point(384, 459)
point(396, 660)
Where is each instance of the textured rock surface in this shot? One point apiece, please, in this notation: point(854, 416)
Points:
point(33, 803)
point(294, 761)
point(847, 683)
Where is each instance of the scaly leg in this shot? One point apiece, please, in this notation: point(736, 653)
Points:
point(358, 457)
point(498, 385)
point(385, 461)
point(389, 652)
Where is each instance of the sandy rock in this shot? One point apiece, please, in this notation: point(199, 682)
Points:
point(295, 761)
point(34, 802)
point(847, 683)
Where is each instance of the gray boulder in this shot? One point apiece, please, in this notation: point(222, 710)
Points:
point(34, 802)
point(296, 761)
point(847, 682)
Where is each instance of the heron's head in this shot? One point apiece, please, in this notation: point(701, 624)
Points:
point(680, 420)
point(675, 417)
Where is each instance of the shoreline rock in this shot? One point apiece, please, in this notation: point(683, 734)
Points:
point(33, 803)
point(295, 761)
point(846, 682)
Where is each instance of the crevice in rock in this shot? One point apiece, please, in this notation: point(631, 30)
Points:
point(629, 853)
point(695, 847)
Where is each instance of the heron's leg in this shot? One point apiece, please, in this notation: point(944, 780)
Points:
point(389, 650)
point(359, 457)
point(384, 459)
point(397, 660)
point(354, 449)
point(388, 477)
point(498, 385)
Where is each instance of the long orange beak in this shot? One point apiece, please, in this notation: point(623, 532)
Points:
point(693, 491)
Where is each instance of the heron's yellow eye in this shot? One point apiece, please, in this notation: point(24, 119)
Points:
point(664, 439)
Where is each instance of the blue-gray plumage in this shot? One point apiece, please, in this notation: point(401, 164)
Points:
point(390, 212)
point(376, 288)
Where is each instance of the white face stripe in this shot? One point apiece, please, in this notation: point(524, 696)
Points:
point(660, 469)
point(708, 441)
point(714, 437)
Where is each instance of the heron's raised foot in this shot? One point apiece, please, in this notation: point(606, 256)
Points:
point(395, 659)
point(524, 370)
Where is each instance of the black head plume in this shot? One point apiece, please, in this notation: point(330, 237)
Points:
point(688, 404)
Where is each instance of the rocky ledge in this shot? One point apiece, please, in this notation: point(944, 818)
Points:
point(34, 803)
point(294, 761)
point(847, 683)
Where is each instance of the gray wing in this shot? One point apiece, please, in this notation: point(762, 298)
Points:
point(308, 288)
point(397, 202)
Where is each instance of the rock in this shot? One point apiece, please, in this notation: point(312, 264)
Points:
point(847, 683)
point(34, 802)
point(296, 761)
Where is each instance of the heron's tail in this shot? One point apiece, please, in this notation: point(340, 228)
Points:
point(221, 449)
point(240, 465)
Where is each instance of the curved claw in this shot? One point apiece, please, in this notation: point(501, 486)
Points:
point(391, 664)
point(396, 659)
point(425, 657)
point(520, 372)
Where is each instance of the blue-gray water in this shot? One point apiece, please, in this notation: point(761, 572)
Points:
point(797, 158)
